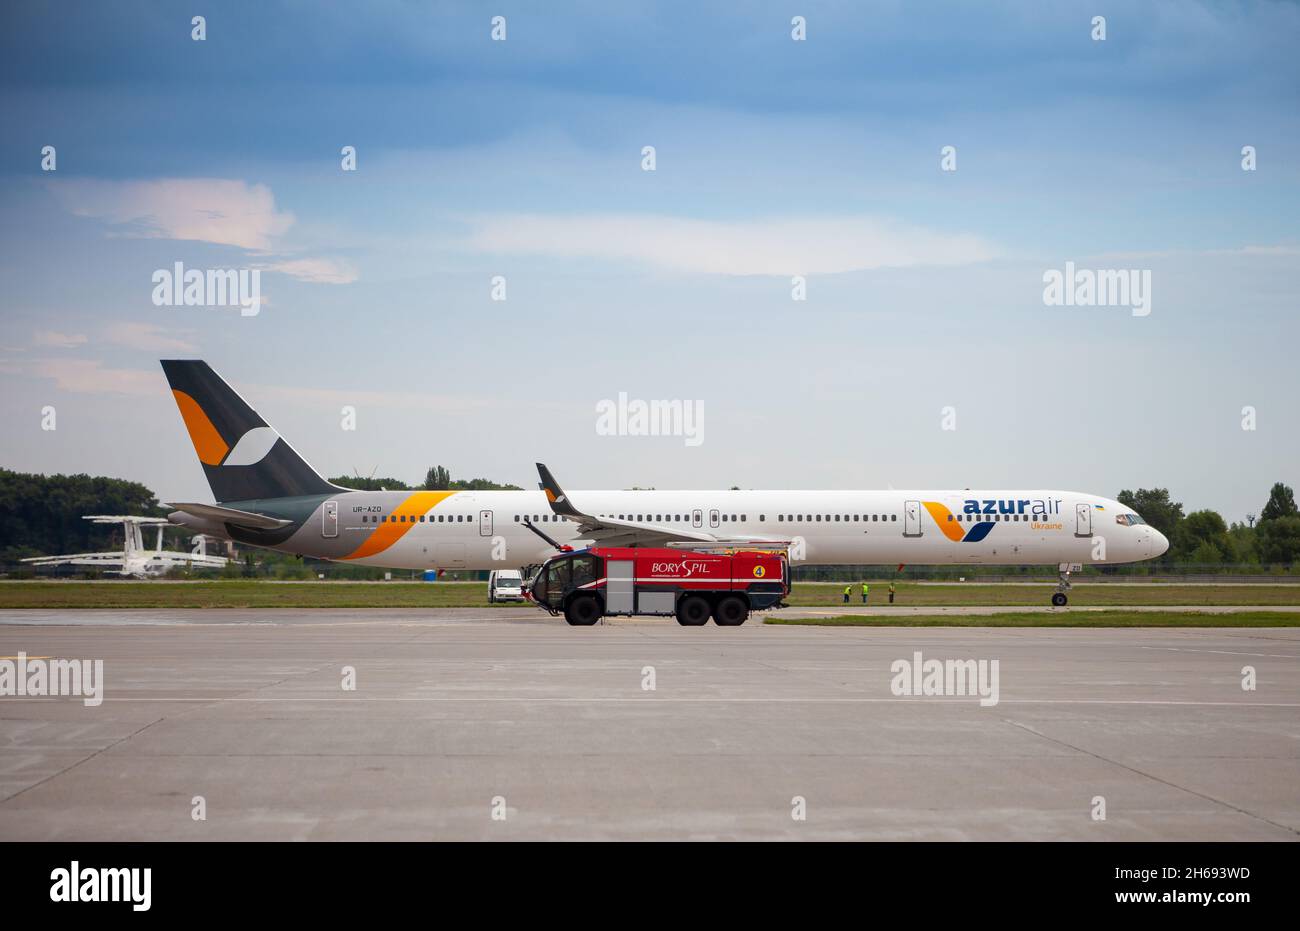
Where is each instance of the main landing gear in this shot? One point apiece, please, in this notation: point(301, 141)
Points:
point(1060, 596)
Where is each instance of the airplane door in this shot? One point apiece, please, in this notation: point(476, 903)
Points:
point(911, 518)
point(1083, 520)
point(697, 518)
point(713, 517)
point(329, 519)
point(485, 523)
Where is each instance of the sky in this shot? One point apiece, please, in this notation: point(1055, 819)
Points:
point(923, 354)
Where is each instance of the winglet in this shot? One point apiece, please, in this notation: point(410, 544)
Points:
point(559, 501)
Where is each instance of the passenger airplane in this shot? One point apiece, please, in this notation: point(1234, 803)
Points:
point(268, 496)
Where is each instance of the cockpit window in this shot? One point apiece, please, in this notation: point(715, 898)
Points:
point(1129, 520)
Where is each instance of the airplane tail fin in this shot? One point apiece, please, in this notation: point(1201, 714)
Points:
point(242, 455)
point(559, 501)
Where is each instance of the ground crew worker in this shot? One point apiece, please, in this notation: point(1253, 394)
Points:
point(848, 591)
point(891, 593)
point(865, 588)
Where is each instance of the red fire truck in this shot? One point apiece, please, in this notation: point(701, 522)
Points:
point(693, 586)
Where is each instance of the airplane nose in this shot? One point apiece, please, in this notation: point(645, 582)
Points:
point(1159, 543)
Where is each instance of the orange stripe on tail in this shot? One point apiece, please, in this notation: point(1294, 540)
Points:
point(207, 441)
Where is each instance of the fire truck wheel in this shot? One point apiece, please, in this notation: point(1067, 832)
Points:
point(582, 611)
point(693, 611)
point(731, 612)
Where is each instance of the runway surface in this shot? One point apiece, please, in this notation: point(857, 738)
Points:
point(462, 714)
point(931, 610)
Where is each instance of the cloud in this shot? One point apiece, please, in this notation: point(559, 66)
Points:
point(774, 246)
point(147, 337)
point(54, 340)
point(320, 271)
point(215, 210)
point(88, 376)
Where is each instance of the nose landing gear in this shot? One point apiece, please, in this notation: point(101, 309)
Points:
point(1060, 596)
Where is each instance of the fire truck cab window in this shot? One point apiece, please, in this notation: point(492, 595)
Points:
point(583, 570)
point(557, 576)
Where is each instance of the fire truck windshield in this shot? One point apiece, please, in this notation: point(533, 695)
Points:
point(557, 576)
point(562, 575)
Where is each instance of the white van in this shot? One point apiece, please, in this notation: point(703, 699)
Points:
point(505, 585)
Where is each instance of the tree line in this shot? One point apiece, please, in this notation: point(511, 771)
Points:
point(1204, 538)
point(40, 515)
point(437, 478)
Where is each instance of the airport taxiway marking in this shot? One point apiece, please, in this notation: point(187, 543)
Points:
point(1223, 652)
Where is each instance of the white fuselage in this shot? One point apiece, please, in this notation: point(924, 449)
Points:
point(485, 529)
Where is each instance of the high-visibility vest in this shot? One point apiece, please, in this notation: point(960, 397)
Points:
point(865, 587)
point(848, 589)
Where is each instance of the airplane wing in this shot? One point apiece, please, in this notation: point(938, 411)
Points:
point(76, 559)
point(609, 531)
point(231, 516)
point(181, 559)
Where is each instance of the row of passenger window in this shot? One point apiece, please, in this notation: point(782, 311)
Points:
point(685, 519)
point(976, 518)
point(680, 518)
point(439, 518)
point(865, 518)
point(741, 518)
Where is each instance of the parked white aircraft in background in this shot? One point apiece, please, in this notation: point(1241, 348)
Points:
point(134, 560)
point(269, 496)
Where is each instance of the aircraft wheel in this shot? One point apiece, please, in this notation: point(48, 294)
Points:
point(582, 611)
point(731, 612)
point(693, 611)
point(1059, 599)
